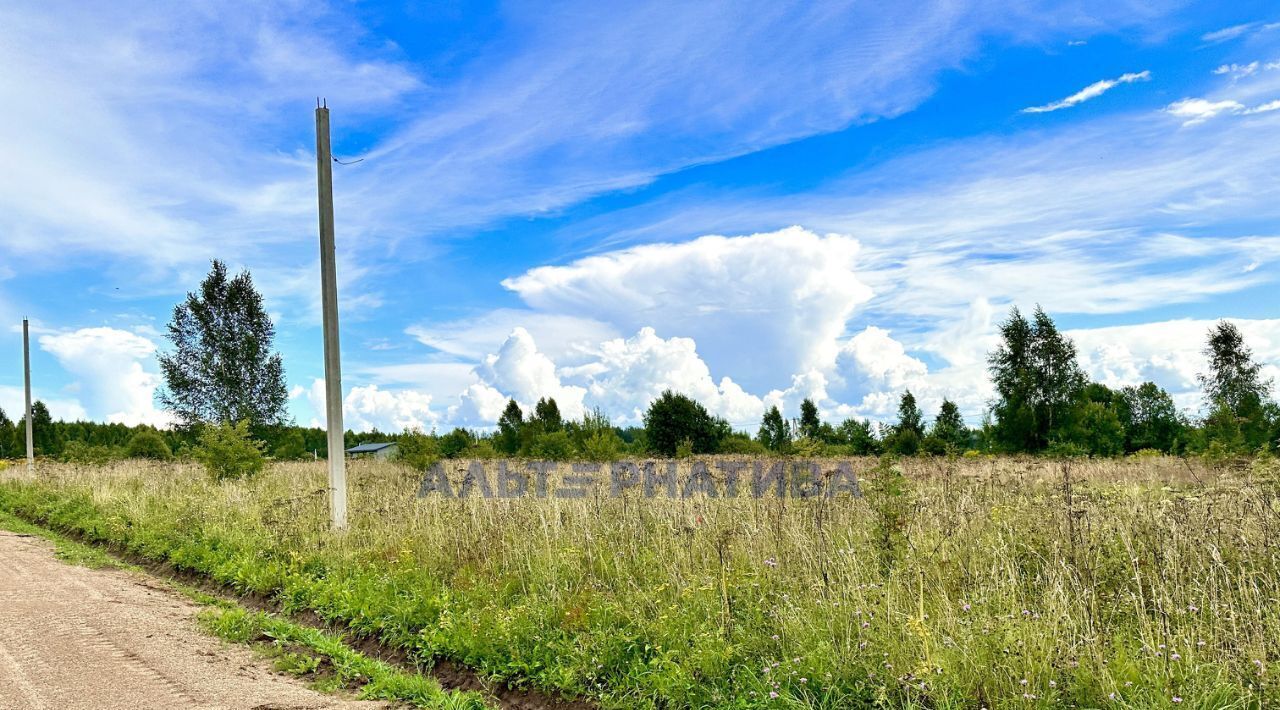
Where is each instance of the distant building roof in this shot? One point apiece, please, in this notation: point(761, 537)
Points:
point(369, 448)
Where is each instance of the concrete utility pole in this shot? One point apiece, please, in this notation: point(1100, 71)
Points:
point(26, 368)
point(329, 301)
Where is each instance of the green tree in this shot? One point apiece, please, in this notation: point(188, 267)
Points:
point(860, 436)
point(221, 368)
point(1037, 382)
point(291, 446)
point(546, 415)
point(6, 436)
point(810, 425)
point(673, 418)
point(775, 431)
point(417, 450)
point(1235, 382)
point(908, 433)
point(509, 426)
point(1150, 418)
point(148, 445)
point(229, 451)
point(949, 427)
point(46, 439)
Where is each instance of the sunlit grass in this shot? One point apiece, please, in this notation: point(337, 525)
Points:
point(1158, 584)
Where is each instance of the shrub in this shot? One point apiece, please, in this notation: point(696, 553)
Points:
point(552, 446)
point(78, 452)
point(418, 451)
point(742, 445)
point(148, 445)
point(291, 447)
point(808, 447)
point(229, 451)
point(889, 495)
point(603, 445)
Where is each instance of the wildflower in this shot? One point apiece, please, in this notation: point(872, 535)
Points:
point(803, 680)
point(1176, 699)
point(1174, 656)
point(865, 624)
point(1192, 608)
point(1112, 696)
point(1053, 684)
point(1028, 696)
point(1200, 643)
point(774, 637)
point(966, 606)
point(773, 693)
point(771, 562)
point(1024, 681)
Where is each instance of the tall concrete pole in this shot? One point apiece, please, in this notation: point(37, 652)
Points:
point(26, 369)
point(329, 302)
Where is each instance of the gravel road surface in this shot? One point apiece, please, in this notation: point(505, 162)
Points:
point(72, 637)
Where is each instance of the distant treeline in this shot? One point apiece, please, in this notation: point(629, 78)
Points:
point(1044, 404)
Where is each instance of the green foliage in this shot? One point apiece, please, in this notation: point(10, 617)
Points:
point(291, 446)
point(889, 494)
point(78, 452)
point(418, 450)
point(148, 445)
point(742, 444)
point(949, 433)
point(1095, 426)
point(456, 443)
point(546, 415)
point(229, 451)
point(1037, 381)
point(552, 446)
point(775, 432)
point(810, 424)
point(221, 368)
point(906, 436)
point(859, 435)
point(594, 600)
point(673, 418)
point(1234, 384)
point(509, 426)
point(1150, 418)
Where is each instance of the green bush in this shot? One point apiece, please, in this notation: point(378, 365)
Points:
point(228, 451)
point(418, 451)
point(148, 445)
point(603, 445)
point(552, 446)
point(78, 452)
point(742, 445)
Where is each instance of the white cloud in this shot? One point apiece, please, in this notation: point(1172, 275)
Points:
point(1168, 353)
point(1264, 108)
point(111, 380)
point(370, 407)
point(761, 306)
point(517, 371)
point(1237, 71)
point(557, 335)
point(631, 373)
point(13, 403)
point(1201, 110)
point(1229, 33)
point(1092, 91)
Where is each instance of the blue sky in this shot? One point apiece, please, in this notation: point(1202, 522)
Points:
point(749, 202)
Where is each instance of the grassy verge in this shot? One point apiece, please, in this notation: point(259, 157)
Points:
point(975, 583)
point(321, 658)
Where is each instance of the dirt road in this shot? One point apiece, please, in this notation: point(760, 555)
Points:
point(71, 637)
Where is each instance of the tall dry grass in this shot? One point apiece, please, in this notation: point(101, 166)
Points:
point(1131, 583)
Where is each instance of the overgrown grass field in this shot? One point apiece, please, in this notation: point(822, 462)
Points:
point(1147, 582)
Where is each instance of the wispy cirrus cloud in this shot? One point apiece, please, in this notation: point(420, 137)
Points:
point(1092, 91)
